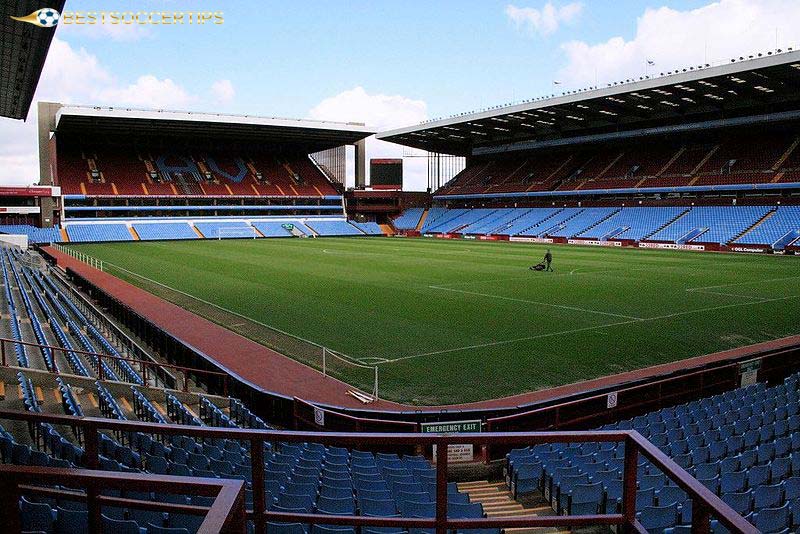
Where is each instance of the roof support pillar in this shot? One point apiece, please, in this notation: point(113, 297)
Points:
point(46, 117)
point(361, 164)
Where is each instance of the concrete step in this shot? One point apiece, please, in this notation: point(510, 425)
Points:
point(497, 501)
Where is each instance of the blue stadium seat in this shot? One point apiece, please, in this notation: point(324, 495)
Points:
point(36, 517)
point(336, 506)
point(378, 508)
point(121, 526)
point(659, 518)
point(767, 496)
point(772, 520)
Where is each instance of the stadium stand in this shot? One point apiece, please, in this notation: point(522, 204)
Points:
point(765, 225)
point(742, 159)
point(225, 229)
point(35, 234)
point(632, 223)
point(158, 231)
point(528, 219)
point(779, 230)
point(98, 232)
point(712, 224)
point(369, 228)
point(96, 171)
point(743, 444)
point(272, 229)
point(409, 219)
point(583, 221)
point(325, 227)
point(208, 228)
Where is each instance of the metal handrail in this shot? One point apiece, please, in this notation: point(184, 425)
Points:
point(144, 365)
point(226, 514)
point(705, 503)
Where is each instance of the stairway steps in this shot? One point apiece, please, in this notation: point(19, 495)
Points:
point(756, 225)
point(786, 153)
point(681, 214)
point(670, 162)
point(608, 167)
point(421, 220)
point(497, 501)
point(700, 165)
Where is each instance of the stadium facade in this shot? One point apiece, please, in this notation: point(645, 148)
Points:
point(701, 158)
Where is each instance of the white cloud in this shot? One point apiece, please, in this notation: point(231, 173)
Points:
point(544, 21)
point(380, 112)
point(148, 91)
point(223, 91)
point(74, 76)
point(711, 34)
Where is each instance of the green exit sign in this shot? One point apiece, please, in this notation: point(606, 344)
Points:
point(451, 427)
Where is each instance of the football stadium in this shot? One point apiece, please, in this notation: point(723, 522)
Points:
point(590, 321)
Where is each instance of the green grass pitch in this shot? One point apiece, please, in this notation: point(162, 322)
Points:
point(459, 321)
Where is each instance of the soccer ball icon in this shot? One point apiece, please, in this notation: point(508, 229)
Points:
point(47, 17)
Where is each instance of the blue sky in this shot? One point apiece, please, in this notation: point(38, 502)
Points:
point(388, 63)
point(285, 57)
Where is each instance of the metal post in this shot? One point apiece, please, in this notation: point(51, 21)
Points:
point(259, 493)
point(92, 452)
point(9, 514)
point(324, 361)
point(375, 394)
point(701, 518)
point(441, 487)
point(629, 485)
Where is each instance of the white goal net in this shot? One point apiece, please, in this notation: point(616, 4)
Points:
point(237, 232)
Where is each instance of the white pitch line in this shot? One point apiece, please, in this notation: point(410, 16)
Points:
point(530, 277)
point(371, 360)
point(726, 294)
point(573, 308)
point(588, 328)
point(744, 283)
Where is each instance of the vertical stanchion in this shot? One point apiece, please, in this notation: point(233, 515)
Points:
point(92, 462)
point(629, 485)
point(441, 487)
point(9, 515)
point(324, 361)
point(701, 518)
point(259, 493)
point(375, 393)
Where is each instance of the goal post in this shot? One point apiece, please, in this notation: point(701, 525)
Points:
point(363, 375)
point(237, 232)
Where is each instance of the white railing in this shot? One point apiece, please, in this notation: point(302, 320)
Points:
point(80, 256)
